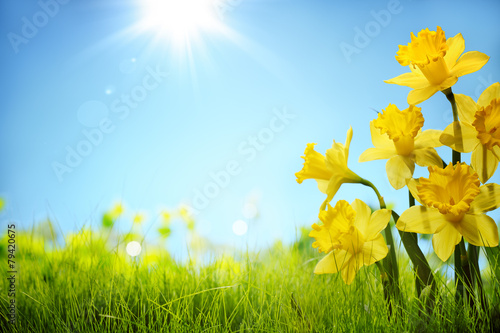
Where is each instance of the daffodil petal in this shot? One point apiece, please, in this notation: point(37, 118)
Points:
point(484, 162)
point(374, 251)
point(416, 70)
point(460, 136)
point(325, 237)
point(427, 157)
point(421, 219)
point(479, 230)
point(444, 241)
point(376, 154)
point(469, 62)
point(448, 82)
point(322, 185)
point(417, 96)
point(332, 262)
point(487, 199)
point(466, 108)
point(363, 213)
point(351, 268)
point(378, 221)
point(333, 187)
point(380, 140)
point(490, 93)
point(496, 151)
point(428, 139)
point(456, 47)
point(412, 80)
point(399, 169)
point(348, 141)
point(412, 186)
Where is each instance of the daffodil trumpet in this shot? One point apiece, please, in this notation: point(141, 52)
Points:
point(398, 137)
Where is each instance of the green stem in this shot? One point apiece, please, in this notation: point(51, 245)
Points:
point(390, 262)
point(459, 273)
point(464, 261)
point(419, 284)
point(386, 284)
point(473, 255)
point(416, 255)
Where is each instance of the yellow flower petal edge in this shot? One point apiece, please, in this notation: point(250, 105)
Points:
point(488, 199)
point(479, 230)
point(434, 63)
point(421, 219)
point(445, 240)
point(484, 161)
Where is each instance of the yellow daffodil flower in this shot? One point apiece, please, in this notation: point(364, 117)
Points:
point(187, 216)
point(478, 131)
point(434, 63)
point(117, 210)
point(453, 206)
point(397, 136)
point(330, 172)
point(2, 204)
point(351, 236)
point(138, 218)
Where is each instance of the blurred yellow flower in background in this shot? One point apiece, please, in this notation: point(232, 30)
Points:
point(138, 218)
point(434, 63)
point(329, 171)
point(453, 206)
point(164, 228)
point(110, 217)
point(397, 136)
point(117, 210)
point(351, 236)
point(187, 216)
point(479, 131)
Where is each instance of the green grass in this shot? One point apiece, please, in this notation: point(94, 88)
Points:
point(89, 286)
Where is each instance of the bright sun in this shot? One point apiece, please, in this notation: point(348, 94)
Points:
point(179, 20)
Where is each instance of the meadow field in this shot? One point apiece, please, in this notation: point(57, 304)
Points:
point(90, 284)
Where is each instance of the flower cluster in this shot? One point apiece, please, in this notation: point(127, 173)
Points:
point(453, 198)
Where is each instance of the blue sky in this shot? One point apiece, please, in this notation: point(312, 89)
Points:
point(239, 104)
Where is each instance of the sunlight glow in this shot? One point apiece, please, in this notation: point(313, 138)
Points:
point(133, 248)
point(179, 20)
